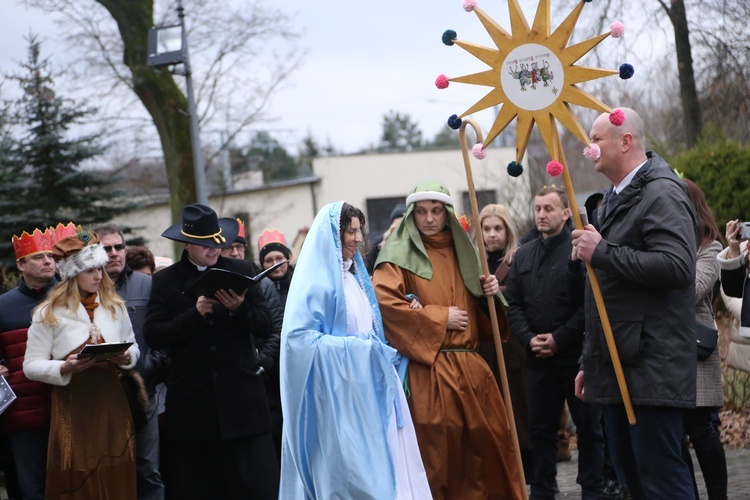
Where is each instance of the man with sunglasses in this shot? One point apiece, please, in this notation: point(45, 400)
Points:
point(135, 288)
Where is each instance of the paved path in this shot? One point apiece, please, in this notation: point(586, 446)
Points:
point(738, 468)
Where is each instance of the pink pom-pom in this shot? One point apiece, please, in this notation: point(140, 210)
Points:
point(592, 152)
point(617, 29)
point(554, 168)
point(442, 82)
point(469, 5)
point(617, 117)
point(479, 152)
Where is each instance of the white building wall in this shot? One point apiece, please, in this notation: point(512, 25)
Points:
point(292, 207)
point(287, 208)
point(357, 178)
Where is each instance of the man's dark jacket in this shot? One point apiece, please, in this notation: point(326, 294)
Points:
point(645, 264)
point(538, 301)
point(213, 391)
point(135, 289)
point(31, 409)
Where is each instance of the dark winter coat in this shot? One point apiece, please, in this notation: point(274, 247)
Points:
point(135, 289)
point(538, 301)
point(645, 264)
point(31, 409)
point(213, 391)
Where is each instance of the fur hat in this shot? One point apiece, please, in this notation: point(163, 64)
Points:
point(77, 253)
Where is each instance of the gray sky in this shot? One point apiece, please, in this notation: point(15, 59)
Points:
point(364, 59)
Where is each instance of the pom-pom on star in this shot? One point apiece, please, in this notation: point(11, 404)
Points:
point(515, 169)
point(454, 122)
point(554, 168)
point(479, 152)
point(442, 82)
point(616, 29)
point(449, 36)
point(592, 152)
point(626, 71)
point(469, 5)
point(617, 117)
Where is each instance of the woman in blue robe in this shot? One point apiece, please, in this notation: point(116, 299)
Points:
point(347, 428)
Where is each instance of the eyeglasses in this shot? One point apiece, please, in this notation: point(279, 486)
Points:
point(270, 260)
point(119, 247)
point(236, 246)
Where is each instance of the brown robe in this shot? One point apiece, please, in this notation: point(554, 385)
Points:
point(92, 441)
point(458, 413)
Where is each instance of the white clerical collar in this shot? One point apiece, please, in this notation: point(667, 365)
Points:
point(628, 178)
point(200, 268)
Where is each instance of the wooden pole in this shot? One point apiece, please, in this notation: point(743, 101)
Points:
point(595, 288)
point(491, 300)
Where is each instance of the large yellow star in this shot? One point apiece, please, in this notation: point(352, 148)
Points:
point(533, 76)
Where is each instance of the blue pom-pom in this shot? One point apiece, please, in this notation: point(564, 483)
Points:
point(626, 71)
point(454, 122)
point(515, 169)
point(448, 37)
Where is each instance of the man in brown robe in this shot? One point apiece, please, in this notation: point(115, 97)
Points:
point(458, 412)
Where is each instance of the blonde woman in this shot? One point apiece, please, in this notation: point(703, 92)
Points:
point(500, 243)
point(500, 240)
point(91, 446)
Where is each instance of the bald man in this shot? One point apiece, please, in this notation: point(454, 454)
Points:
point(642, 245)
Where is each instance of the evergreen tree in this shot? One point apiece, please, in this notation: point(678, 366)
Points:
point(400, 133)
point(266, 154)
point(43, 182)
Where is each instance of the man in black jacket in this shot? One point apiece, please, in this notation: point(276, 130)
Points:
point(216, 409)
point(643, 249)
point(549, 324)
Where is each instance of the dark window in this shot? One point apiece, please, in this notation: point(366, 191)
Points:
point(483, 198)
point(379, 215)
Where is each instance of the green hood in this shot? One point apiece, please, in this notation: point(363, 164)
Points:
point(405, 249)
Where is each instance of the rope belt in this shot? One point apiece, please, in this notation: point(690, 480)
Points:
point(407, 389)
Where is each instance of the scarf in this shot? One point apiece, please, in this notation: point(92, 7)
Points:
point(90, 304)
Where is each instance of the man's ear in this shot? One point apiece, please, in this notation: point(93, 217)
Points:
point(20, 264)
point(626, 141)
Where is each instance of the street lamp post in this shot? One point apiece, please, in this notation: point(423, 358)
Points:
point(163, 50)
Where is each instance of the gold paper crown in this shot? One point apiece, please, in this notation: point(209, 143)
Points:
point(61, 231)
point(30, 244)
point(270, 236)
point(241, 234)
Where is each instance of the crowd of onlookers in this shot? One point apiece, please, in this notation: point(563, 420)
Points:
point(382, 355)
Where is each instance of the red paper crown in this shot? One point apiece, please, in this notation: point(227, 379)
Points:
point(270, 236)
point(30, 244)
point(60, 232)
point(241, 234)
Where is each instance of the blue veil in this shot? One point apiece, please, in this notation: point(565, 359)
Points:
point(337, 390)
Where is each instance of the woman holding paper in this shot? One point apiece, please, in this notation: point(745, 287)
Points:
point(91, 446)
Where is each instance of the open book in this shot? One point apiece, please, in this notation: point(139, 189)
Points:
point(104, 351)
point(220, 279)
point(7, 396)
